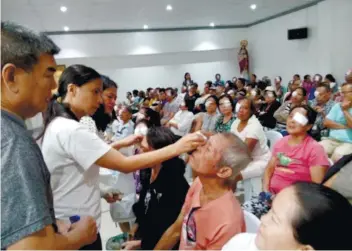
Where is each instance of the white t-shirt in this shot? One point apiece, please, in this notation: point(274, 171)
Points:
point(245, 242)
point(253, 130)
point(70, 151)
point(184, 120)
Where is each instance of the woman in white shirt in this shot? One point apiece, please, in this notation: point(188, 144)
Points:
point(249, 129)
point(73, 154)
point(181, 123)
point(304, 216)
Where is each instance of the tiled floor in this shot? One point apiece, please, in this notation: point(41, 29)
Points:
point(108, 228)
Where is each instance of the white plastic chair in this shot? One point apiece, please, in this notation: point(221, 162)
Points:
point(252, 222)
point(273, 137)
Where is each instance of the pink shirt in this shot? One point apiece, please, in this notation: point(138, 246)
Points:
point(211, 226)
point(294, 162)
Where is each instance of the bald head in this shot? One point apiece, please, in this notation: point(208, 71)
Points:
point(348, 76)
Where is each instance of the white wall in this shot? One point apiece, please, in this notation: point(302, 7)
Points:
point(150, 59)
point(327, 49)
point(144, 59)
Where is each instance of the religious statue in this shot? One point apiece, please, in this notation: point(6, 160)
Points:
point(243, 60)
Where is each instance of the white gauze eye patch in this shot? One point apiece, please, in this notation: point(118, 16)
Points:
point(270, 95)
point(277, 79)
point(208, 103)
point(253, 93)
point(300, 118)
point(226, 103)
point(168, 93)
point(143, 130)
point(230, 92)
point(294, 94)
point(316, 78)
point(238, 107)
point(316, 94)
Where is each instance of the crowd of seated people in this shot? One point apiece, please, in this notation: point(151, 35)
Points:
point(221, 127)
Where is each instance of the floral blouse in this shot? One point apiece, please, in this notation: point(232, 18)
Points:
point(224, 127)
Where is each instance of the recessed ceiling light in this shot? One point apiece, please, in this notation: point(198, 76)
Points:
point(66, 28)
point(169, 7)
point(63, 8)
point(253, 6)
point(211, 24)
point(145, 27)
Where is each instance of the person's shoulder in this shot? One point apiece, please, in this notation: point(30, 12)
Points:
point(65, 126)
point(312, 144)
point(243, 241)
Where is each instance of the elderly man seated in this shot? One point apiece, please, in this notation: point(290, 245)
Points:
point(339, 121)
point(211, 215)
point(322, 104)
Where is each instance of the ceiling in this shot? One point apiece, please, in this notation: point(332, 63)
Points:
point(82, 15)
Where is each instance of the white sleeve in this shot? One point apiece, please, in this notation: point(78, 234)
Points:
point(253, 131)
point(83, 146)
point(186, 123)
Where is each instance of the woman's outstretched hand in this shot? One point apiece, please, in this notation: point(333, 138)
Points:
point(190, 142)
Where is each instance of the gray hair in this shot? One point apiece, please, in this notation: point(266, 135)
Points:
point(22, 47)
point(235, 155)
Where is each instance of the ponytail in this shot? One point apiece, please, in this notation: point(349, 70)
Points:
point(56, 109)
point(78, 75)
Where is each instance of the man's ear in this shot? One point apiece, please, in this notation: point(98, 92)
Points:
point(224, 172)
point(8, 77)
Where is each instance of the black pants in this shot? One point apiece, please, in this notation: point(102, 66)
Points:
point(97, 245)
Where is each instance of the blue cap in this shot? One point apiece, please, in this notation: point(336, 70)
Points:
point(74, 218)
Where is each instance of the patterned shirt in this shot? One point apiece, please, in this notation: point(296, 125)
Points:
point(319, 122)
point(224, 127)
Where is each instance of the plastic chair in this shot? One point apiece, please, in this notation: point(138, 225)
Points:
point(252, 222)
point(273, 137)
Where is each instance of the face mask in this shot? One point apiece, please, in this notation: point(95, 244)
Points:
point(316, 94)
point(301, 119)
point(270, 95)
point(238, 107)
point(294, 94)
point(226, 104)
point(143, 130)
point(140, 116)
point(208, 103)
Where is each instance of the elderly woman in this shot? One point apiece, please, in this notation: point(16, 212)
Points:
point(296, 157)
point(227, 117)
point(267, 110)
point(248, 128)
point(207, 121)
point(298, 97)
point(304, 216)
